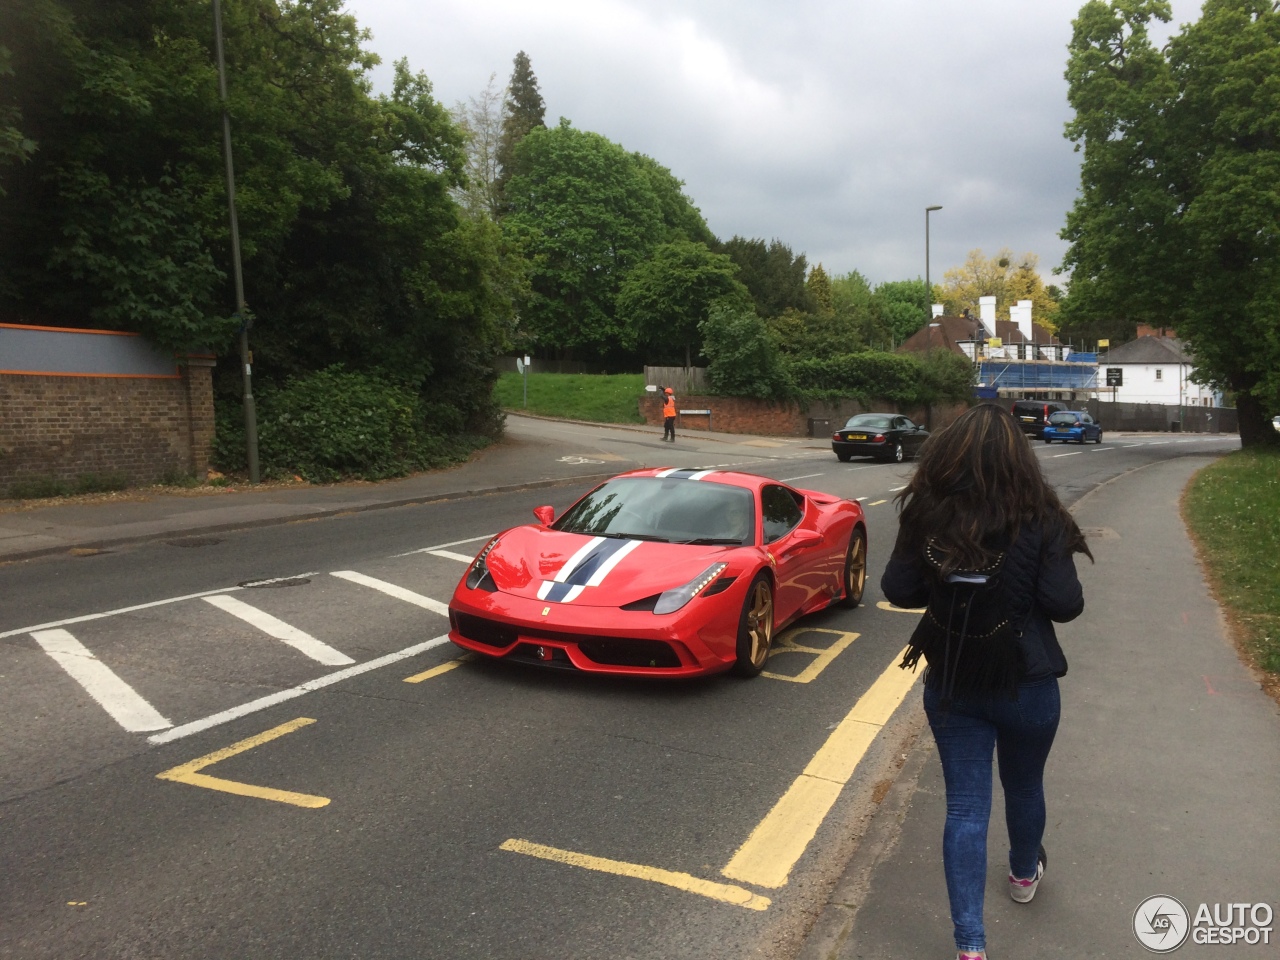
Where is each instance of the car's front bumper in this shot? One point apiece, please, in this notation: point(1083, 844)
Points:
point(699, 639)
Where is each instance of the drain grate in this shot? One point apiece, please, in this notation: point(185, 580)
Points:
point(194, 542)
point(277, 582)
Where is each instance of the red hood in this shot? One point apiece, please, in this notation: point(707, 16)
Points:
point(528, 557)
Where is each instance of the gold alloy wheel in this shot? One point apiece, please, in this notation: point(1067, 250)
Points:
point(855, 569)
point(760, 621)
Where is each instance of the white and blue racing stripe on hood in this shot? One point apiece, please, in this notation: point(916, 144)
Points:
point(586, 568)
point(684, 473)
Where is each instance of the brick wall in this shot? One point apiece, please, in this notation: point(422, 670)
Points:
point(770, 419)
point(65, 426)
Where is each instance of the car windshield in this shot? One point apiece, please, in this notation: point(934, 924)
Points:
point(1064, 418)
point(664, 508)
point(868, 421)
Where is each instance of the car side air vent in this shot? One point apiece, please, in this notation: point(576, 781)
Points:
point(720, 586)
point(642, 606)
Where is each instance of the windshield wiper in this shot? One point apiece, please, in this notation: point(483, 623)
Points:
point(711, 542)
point(634, 536)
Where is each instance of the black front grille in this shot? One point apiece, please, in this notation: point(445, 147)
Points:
point(478, 629)
point(628, 653)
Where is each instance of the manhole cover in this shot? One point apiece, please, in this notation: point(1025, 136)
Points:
point(278, 582)
point(194, 542)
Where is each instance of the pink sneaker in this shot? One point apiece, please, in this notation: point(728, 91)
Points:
point(971, 955)
point(1023, 890)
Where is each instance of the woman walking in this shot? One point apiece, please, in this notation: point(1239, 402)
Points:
point(986, 546)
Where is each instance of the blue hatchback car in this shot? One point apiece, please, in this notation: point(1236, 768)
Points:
point(1074, 425)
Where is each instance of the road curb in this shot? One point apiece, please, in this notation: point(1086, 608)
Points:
point(292, 518)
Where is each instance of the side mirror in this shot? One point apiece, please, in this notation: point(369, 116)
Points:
point(546, 515)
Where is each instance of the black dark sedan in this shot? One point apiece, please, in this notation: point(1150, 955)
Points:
point(885, 436)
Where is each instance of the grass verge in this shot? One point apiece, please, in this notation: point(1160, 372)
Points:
point(602, 398)
point(1233, 511)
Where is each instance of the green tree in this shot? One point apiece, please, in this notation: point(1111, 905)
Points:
point(586, 215)
point(353, 248)
point(856, 315)
point(682, 219)
point(663, 299)
point(774, 275)
point(523, 110)
point(902, 306)
point(1177, 216)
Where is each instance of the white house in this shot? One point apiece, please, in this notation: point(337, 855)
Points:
point(1152, 370)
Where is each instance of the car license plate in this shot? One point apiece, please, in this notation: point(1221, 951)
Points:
point(855, 436)
point(1063, 429)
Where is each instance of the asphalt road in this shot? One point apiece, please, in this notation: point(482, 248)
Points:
point(385, 813)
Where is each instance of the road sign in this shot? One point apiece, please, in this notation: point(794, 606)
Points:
point(1115, 376)
point(1103, 343)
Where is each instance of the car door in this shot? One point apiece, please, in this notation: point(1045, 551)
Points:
point(912, 436)
point(795, 547)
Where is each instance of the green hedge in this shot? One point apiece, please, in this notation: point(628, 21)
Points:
point(334, 424)
point(902, 378)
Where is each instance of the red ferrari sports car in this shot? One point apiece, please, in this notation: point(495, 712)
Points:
point(662, 573)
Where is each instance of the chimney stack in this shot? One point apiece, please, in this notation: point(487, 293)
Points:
point(937, 310)
point(1021, 315)
point(987, 312)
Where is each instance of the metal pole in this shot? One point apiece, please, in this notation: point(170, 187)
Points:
point(928, 287)
point(250, 415)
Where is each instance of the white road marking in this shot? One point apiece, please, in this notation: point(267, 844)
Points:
point(113, 694)
point(391, 590)
point(317, 650)
point(441, 546)
point(253, 706)
point(450, 555)
point(1102, 449)
point(1071, 454)
point(806, 476)
point(896, 489)
point(111, 613)
point(267, 583)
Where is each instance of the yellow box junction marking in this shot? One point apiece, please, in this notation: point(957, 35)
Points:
point(780, 839)
point(441, 668)
point(723, 892)
point(822, 657)
point(886, 605)
point(190, 772)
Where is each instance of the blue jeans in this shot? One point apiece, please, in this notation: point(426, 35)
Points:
point(1021, 732)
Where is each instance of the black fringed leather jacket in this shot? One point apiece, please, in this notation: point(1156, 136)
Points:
point(1041, 586)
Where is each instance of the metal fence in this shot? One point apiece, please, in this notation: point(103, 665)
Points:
point(1163, 417)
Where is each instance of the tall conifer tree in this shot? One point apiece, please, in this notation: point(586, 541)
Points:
point(522, 111)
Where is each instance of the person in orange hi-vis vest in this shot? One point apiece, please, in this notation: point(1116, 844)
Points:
point(669, 415)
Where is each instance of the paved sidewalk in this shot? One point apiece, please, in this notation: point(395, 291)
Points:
point(1165, 778)
point(46, 530)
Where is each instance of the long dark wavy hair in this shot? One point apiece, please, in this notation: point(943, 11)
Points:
point(975, 486)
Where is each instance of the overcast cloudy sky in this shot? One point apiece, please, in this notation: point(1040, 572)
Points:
point(828, 125)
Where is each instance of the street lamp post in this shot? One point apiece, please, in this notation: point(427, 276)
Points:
point(928, 288)
point(250, 416)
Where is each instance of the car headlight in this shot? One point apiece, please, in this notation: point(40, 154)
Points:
point(672, 600)
point(479, 570)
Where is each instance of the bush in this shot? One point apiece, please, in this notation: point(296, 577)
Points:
point(335, 424)
point(743, 359)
